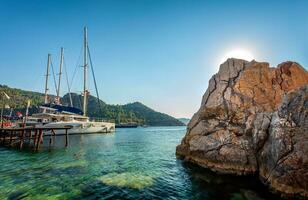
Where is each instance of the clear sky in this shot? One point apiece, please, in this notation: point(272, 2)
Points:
point(159, 52)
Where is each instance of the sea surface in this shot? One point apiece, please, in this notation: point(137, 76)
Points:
point(128, 164)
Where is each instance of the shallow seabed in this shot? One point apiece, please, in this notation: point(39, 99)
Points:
point(129, 164)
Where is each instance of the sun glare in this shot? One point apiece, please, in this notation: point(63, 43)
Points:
point(238, 53)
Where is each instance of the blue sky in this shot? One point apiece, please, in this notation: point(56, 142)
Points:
point(159, 52)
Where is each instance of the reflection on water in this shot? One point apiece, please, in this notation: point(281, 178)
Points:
point(130, 164)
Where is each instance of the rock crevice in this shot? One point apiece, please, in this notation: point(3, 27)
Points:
point(253, 119)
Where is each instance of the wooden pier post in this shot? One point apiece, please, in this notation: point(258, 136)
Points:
point(11, 137)
point(30, 136)
point(50, 139)
point(3, 141)
point(1, 132)
point(39, 140)
point(35, 138)
point(52, 136)
point(3, 137)
point(66, 137)
point(22, 139)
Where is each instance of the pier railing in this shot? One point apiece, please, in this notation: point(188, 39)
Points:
point(31, 136)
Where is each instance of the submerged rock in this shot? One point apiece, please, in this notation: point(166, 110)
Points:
point(253, 120)
point(132, 180)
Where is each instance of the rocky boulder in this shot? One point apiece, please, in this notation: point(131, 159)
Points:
point(253, 119)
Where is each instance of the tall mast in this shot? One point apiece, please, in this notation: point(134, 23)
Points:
point(60, 74)
point(46, 82)
point(85, 74)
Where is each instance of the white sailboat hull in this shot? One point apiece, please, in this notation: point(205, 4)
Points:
point(81, 127)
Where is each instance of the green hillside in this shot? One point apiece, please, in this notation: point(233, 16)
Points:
point(128, 113)
point(18, 97)
point(184, 120)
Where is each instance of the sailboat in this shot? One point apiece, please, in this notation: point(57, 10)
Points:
point(55, 115)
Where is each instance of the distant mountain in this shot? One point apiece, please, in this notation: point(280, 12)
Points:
point(150, 116)
point(184, 120)
point(128, 113)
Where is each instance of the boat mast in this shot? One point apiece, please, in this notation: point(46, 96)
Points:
point(85, 74)
point(60, 74)
point(46, 82)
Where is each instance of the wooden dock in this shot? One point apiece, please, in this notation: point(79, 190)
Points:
point(30, 136)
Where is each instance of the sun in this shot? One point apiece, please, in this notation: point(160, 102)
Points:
point(240, 54)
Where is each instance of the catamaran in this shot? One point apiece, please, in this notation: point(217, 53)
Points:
point(55, 115)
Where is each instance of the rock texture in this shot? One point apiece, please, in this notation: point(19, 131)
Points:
point(254, 120)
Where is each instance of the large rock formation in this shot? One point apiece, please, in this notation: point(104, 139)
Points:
point(254, 120)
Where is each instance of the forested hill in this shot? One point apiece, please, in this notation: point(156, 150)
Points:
point(184, 120)
point(128, 113)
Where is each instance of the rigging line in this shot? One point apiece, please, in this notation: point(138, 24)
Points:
point(67, 82)
point(93, 74)
point(79, 101)
point(54, 76)
point(74, 73)
point(77, 65)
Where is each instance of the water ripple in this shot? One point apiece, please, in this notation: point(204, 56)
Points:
point(130, 164)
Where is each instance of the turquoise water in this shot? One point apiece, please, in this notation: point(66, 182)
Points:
point(129, 164)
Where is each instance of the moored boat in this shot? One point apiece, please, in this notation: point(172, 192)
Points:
point(55, 115)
